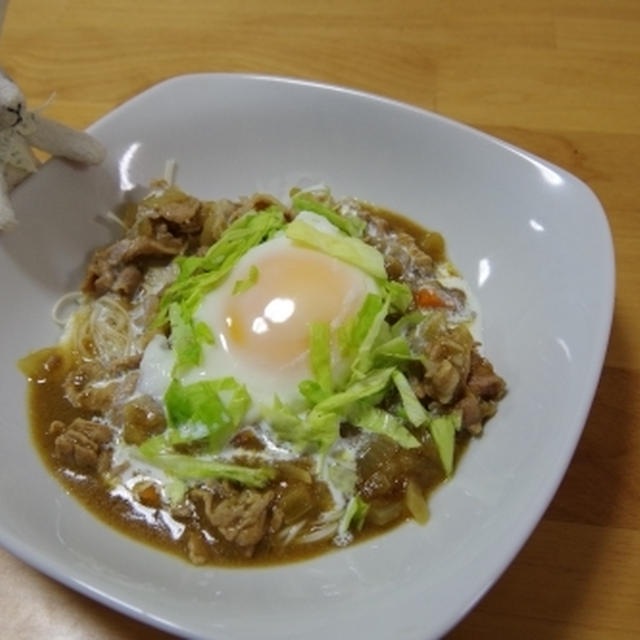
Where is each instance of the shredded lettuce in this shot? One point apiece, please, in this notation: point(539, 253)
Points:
point(203, 332)
point(353, 226)
point(322, 428)
point(175, 490)
point(219, 405)
point(366, 331)
point(242, 285)
point(416, 413)
point(312, 391)
point(345, 248)
point(185, 467)
point(355, 330)
point(379, 421)
point(399, 294)
point(394, 351)
point(320, 355)
point(443, 431)
point(342, 471)
point(200, 274)
point(354, 516)
point(286, 424)
point(406, 322)
point(368, 340)
point(187, 338)
point(366, 388)
point(318, 430)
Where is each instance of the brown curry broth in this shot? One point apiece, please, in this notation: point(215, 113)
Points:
point(46, 403)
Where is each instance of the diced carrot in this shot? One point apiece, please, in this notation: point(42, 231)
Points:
point(425, 298)
point(149, 496)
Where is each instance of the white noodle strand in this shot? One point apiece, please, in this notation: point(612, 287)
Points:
point(112, 217)
point(170, 172)
point(75, 297)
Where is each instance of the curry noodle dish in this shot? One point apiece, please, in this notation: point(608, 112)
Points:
point(251, 382)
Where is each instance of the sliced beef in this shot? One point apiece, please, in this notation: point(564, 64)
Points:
point(456, 376)
point(448, 363)
point(483, 380)
point(472, 414)
point(404, 259)
point(127, 281)
point(172, 205)
point(163, 226)
point(218, 216)
point(241, 518)
point(79, 445)
point(104, 271)
point(479, 393)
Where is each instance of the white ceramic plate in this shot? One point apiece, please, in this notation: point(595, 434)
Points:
point(532, 240)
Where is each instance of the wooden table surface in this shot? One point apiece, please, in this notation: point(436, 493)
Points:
point(559, 78)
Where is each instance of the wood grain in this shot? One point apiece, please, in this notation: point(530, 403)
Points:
point(560, 78)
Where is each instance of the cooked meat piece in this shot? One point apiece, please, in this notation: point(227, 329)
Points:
point(472, 414)
point(80, 444)
point(172, 205)
point(421, 263)
point(448, 364)
point(247, 439)
point(80, 390)
point(182, 511)
point(127, 281)
point(456, 346)
point(445, 381)
point(101, 273)
point(106, 264)
point(441, 382)
point(86, 387)
point(257, 202)
point(404, 259)
point(483, 380)
point(161, 233)
point(241, 518)
point(105, 459)
point(143, 417)
point(142, 247)
point(217, 217)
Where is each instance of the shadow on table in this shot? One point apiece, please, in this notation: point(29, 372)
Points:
point(549, 586)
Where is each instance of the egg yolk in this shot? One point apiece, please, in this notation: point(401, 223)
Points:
point(268, 323)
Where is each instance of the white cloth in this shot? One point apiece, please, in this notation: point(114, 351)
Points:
point(14, 148)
